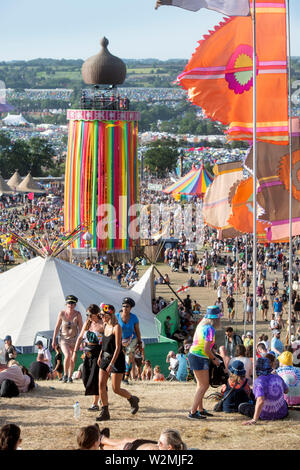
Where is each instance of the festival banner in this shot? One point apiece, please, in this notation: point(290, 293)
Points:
point(273, 170)
point(219, 75)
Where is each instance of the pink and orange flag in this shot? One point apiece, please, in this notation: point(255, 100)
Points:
point(219, 75)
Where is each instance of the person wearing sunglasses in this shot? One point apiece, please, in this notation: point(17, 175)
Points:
point(70, 322)
point(131, 335)
point(112, 361)
point(92, 332)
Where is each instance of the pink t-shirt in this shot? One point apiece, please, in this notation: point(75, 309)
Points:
point(15, 374)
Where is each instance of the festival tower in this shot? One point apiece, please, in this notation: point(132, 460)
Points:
point(101, 176)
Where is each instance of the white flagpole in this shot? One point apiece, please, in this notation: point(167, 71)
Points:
point(291, 176)
point(254, 186)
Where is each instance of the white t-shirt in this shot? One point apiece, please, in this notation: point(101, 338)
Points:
point(47, 356)
point(173, 365)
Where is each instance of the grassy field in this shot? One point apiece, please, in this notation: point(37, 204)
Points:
point(46, 419)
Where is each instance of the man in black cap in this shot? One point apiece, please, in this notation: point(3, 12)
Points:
point(70, 323)
point(131, 335)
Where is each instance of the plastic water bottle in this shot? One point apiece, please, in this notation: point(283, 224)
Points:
point(76, 410)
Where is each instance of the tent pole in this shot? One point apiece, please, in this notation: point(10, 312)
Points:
point(291, 175)
point(254, 185)
point(175, 293)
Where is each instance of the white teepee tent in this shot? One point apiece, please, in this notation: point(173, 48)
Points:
point(32, 294)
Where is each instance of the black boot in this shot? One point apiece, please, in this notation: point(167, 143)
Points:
point(104, 415)
point(134, 402)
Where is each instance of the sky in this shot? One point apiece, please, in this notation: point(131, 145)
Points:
point(72, 29)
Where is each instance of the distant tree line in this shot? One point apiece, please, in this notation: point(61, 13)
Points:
point(35, 156)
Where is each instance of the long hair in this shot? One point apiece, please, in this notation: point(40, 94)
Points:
point(92, 309)
point(174, 439)
point(215, 322)
point(9, 436)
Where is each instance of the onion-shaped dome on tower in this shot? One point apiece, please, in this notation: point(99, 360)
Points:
point(104, 68)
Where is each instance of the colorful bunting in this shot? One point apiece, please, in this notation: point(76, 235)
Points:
point(101, 180)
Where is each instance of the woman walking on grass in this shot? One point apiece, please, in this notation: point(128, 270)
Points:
point(112, 361)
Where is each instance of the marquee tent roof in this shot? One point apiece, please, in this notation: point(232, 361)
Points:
point(29, 185)
point(33, 293)
point(194, 183)
point(4, 188)
point(15, 120)
point(14, 181)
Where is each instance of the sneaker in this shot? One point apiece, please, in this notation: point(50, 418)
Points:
point(204, 413)
point(65, 379)
point(125, 381)
point(70, 380)
point(104, 415)
point(93, 408)
point(60, 380)
point(196, 416)
point(134, 402)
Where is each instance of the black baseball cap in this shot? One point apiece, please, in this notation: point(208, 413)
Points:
point(128, 301)
point(71, 299)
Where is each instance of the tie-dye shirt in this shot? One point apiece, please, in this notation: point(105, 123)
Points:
point(202, 334)
point(272, 388)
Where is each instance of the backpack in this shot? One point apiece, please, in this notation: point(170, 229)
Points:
point(8, 389)
point(217, 374)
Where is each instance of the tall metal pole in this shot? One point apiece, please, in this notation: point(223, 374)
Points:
point(254, 186)
point(246, 288)
point(236, 278)
point(291, 176)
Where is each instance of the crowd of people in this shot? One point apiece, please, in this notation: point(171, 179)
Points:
point(112, 345)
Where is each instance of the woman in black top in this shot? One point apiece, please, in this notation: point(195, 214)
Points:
point(265, 308)
point(10, 351)
point(297, 307)
point(92, 330)
point(112, 361)
point(58, 364)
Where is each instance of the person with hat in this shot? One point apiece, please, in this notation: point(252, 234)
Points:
point(10, 350)
point(131, 335)
point(291, 377)
point(70, 322)
point(269, 390)
point(276, 344)
point(198, 357)
point(238, 387)
point(112, 361)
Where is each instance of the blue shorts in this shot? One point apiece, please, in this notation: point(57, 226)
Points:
point(197, 363)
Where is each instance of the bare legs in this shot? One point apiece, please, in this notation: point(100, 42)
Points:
point(68, 362)
point(202, 379)
point(116, 380)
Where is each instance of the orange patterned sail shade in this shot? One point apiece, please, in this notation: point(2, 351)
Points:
point(219, 75)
